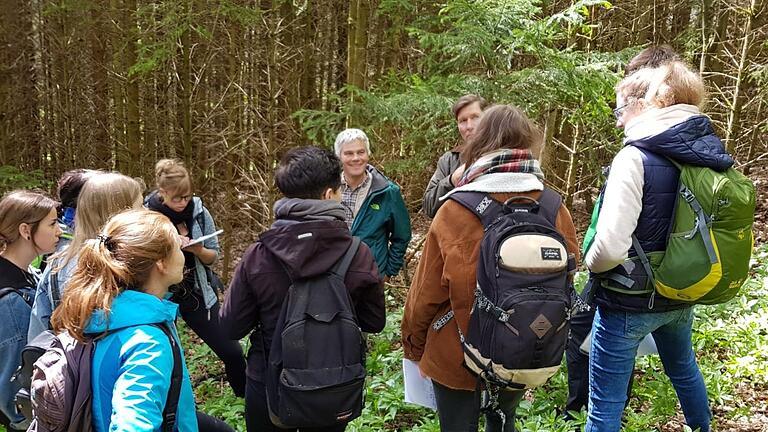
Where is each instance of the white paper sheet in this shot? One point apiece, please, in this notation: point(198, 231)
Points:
point(418, 390)
point(203, 238)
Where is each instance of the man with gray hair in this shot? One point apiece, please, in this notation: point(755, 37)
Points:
point(373, 206)
point(467, 112)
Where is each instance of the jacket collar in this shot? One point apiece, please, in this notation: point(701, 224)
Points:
point(658, 120)
point(132, 308)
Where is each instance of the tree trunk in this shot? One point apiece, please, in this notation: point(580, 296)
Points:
point(733, 127)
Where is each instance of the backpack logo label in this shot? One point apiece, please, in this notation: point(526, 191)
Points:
point(541, 326)
point(483, 206)
point(551, 254)
point(375, 206)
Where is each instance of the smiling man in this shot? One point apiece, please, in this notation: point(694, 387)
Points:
point(467, 112)
point(374, 209)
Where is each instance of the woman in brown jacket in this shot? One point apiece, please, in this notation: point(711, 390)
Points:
point(501, 162)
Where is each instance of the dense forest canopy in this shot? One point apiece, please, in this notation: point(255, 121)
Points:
point(228, 85)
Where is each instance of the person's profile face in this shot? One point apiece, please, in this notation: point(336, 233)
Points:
point(47, 234)
point(467, 119)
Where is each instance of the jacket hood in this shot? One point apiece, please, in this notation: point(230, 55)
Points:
point(691, 142)
point(308, 249)
point(132, 308)
point(379, 181)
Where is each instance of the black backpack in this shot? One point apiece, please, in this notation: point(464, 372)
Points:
point(315, 374)
point(519, 323)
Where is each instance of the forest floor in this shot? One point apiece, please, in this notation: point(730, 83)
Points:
point(731, 341)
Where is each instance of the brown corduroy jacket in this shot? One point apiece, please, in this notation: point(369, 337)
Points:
point(445, 280)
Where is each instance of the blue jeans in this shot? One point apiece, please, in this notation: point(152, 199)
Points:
point(615, 338)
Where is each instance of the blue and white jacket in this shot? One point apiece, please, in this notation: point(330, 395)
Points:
point(132, 366)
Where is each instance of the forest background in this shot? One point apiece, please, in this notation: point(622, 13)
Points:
point(229, 85)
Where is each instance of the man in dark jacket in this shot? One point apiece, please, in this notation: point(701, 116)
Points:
point(374, 208)
point(467, 112)
point(308, 237)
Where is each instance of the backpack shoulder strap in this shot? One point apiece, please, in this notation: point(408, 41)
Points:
point(343, 264)
point(549, 205)
point(172, 401)
point(481, 204)
point(9, 290)
point(55, 290)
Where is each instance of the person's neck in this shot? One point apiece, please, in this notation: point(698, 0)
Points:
point(19, 255)
point(154, 287)
point(355, 181)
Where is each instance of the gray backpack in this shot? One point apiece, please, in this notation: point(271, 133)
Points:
point(55, 377)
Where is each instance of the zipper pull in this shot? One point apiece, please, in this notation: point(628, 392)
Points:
point(652, 299)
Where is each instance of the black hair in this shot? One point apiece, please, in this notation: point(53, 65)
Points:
point(70, 185)
point(307, 172)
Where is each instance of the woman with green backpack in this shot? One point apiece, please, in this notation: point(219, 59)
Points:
point(664, 129)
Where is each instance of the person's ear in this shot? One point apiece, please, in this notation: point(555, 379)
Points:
point(25, 231)
point(162, 267)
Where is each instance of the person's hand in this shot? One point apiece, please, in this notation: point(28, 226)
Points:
point(456, 176)
point(195, 248)
point(421, 372)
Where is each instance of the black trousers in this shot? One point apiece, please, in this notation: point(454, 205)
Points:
point(578, 364)
point(205, 324)
point(257, 413)
point(206, 423)
point(459, 410)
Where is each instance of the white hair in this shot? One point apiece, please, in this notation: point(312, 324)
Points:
point(350, 135)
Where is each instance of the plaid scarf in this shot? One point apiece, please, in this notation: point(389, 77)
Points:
point(503, 161)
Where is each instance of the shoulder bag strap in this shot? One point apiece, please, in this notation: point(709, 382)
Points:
point(481, 204)
point(343, 264)
point(172, 401)
point(9, 290)
point(549, 205)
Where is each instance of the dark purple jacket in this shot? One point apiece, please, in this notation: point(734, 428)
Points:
point(260, 282)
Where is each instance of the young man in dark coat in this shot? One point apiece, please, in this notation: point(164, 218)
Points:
point(308, 237)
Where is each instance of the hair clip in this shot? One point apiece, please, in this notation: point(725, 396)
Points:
point(106, 241)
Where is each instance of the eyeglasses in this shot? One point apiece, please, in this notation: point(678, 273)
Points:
point(182, 198)
point(619, 111)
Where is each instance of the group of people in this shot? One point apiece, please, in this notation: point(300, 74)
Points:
point(119, 262)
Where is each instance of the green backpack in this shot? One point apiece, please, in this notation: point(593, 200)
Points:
point(710, 244)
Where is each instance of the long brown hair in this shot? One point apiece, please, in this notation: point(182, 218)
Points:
point(123, 256)
point(502, 126)
point(21, 206)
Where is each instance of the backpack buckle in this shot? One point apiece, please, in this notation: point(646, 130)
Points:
point(687, 195)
